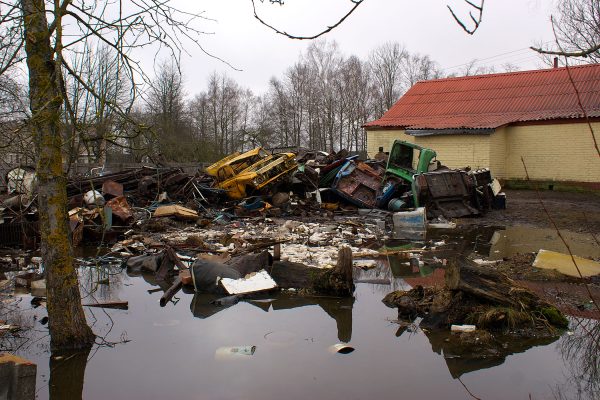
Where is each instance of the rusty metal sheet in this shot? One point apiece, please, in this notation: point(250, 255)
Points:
point(446, 184)
point(112, 188)
point(358, 183)
point(121, 209)
point(449, 193)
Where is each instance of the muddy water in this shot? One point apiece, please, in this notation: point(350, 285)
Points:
point(149, 352)
point(498, 242)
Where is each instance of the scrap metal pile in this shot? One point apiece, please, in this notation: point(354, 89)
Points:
point(257, 182)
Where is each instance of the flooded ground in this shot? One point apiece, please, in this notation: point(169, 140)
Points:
point(183, 350)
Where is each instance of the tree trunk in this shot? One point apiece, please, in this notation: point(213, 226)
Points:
point(67, 324)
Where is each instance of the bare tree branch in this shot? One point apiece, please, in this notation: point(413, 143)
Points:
point(577, 27)
point(302, 37)
point(583, 53)
point(475, 18)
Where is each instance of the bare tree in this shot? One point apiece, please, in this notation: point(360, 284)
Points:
point(166, 109)
point(225, 111)
point(577, 29)
point(386, 65)
point(91, 124)
point(472, 68)
point(280, 111)
point(13, 98)
point(15, 139)
point(416, 67)
point(263, 133)
point(357, 94)
point(323, 59)
point(49, 30)
point(510, 67)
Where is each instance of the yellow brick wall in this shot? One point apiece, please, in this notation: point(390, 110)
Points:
point(454, 151)
point(385, 139)
point(498, 153)
point(560, 152)
point(457, 151)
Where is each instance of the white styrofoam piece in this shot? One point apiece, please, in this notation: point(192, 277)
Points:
point(250, 283)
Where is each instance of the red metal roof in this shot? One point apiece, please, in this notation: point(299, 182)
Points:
point(491, 101)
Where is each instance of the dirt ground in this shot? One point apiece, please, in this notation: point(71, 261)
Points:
point(576, 212)
point(569, 294)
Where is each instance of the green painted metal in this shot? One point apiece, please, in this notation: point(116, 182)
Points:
point(401, 160)
point(407, 160)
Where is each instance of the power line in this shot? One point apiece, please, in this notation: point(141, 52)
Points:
point(501, 55)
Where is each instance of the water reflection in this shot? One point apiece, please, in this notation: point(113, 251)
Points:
point(581, 352)
point(399, 354)
point(340, 309)
point(67, 373)
point(462, 358)
point(519, 239)
point(499, 242)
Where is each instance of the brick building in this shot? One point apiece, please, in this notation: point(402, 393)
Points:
point(494, 120)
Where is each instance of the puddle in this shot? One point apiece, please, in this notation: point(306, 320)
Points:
point(284, 341)
point(517, 239)
point(498, 242)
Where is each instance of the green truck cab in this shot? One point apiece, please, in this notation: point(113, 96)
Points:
point(406, 160)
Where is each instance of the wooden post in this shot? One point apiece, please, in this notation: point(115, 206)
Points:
point(344, 263)
point(277, 252)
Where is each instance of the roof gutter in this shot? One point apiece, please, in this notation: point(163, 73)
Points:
point(460, 131)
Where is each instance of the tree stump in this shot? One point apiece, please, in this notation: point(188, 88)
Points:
point(337, 281)
point(489, 285)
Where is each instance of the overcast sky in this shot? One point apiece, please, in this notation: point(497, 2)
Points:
point(423, 26)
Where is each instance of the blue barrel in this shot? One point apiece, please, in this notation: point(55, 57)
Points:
point(396, 204)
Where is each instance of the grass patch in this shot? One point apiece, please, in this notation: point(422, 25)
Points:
point(555, 317)
point(500, 318)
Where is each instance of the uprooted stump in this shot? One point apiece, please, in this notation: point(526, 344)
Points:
point(336, 281)
point(476, 295)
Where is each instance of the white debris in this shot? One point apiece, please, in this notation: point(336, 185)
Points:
point(254, 282)
point(480, 261)
point(365, 264)
point(463, 328)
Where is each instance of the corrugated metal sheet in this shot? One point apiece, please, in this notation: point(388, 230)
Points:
point(491, 101)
